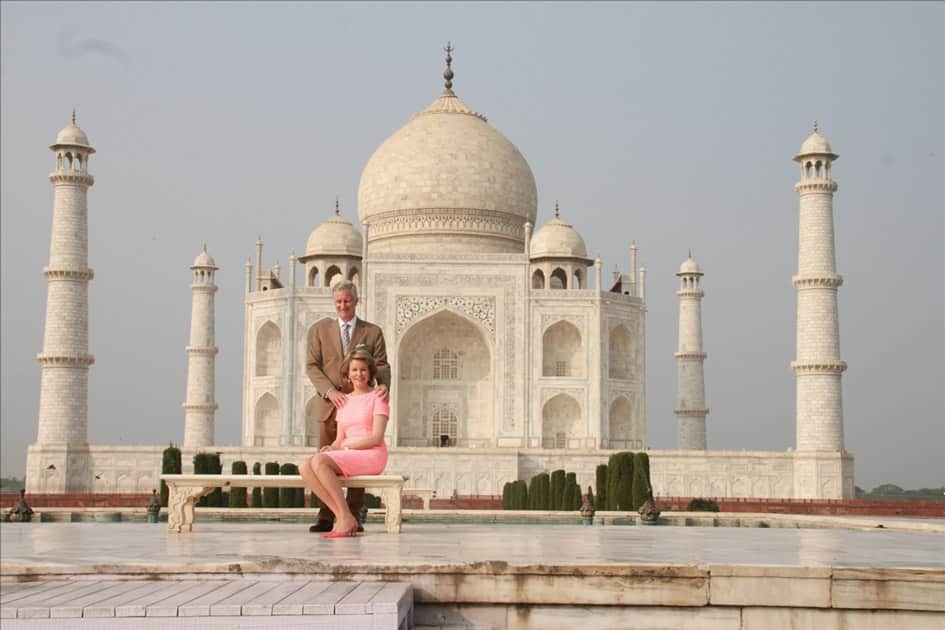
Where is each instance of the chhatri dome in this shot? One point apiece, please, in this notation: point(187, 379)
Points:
point(557, 239)
point(816, 144)
point(689, 266)
point(334, 237)
point(447, 182)
point(72, 135)
point(204, 259)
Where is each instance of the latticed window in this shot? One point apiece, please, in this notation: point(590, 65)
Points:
point(444, 423)
point(445, 365)
point(560, 441)
point(562, 368)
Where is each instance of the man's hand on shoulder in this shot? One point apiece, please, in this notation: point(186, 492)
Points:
point(337, 398)
point(383, 392)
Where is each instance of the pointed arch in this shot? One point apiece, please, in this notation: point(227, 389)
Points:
point(333, 276)
point(578, 279)
point(268, 350)
point(620, 425)
point(538, 279)
point(266, 424)
point(558, 280)
point(444, 366)
point(562, 351)
point(354, 275)
point(560, 420)
point(621, 353)
point(313, 278)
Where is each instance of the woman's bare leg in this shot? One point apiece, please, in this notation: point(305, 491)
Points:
point(327, 471)
point(307, 470)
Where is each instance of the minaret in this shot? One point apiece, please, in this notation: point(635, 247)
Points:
point(690, 380)
point(817, 367)
point(201, 352)
point(65, 359)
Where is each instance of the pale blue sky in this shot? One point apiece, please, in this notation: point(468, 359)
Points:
point(670, 124)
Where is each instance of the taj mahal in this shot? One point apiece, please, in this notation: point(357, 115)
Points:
point(511, 354)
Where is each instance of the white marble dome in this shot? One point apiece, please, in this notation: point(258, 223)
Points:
point(557, 239)
point(204, 259)
point(334, 237)
point(72, 135)
point(816, 144)
point(447, 181)
point(689, 266)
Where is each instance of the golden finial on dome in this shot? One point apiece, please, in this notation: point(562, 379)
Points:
point(556, 209)
point(73, 115)
point(337, 209)
point(448, 73)
point(816, 130)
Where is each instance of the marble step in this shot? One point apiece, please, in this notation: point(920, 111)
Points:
point(239, 603)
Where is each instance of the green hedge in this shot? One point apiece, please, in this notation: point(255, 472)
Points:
point(256, 500)
point(209, 464)
point(237, 497)
point(291, 497)
point(557, 490)
point(601, 484)
point(539, 492)
point(572, 493)
point(171, 465)
point(270, 496)
point(641, 489)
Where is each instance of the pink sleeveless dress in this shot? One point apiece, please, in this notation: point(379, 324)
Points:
point(356, 422)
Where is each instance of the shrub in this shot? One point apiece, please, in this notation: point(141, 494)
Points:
point(620, 481)
point(572, 493)
point(506, 495)
point(290, 497)
point(590, 496)
point(270, 496)
point(215, 467)
point(256, 501)
point(171, 465)
point(539, 492)
point(371, 501)
point(641, 490)
point(237, 497)
point(557, 490)
point(600, 479)
point(610, 492)
point(702, 505)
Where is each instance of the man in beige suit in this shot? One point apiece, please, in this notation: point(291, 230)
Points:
point(330, 341)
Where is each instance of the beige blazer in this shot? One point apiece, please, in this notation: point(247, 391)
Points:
point(325, 358)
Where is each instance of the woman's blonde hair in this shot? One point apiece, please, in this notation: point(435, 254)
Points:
point(360, 353)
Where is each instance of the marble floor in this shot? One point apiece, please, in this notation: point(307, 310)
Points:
point(279, 547)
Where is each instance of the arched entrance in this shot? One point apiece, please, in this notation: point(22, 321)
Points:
point(445, 392)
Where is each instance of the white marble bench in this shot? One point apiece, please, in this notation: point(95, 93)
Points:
point(185, 490)
point(425, 494)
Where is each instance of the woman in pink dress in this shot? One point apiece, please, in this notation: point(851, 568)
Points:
point(359, 447)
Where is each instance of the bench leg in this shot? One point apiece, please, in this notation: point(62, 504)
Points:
point(180, 507)
point(392, 514)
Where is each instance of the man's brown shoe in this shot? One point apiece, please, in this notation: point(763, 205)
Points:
point(321, 526)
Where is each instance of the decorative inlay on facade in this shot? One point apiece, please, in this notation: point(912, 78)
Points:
point(827, 367)
point(201, 406)
point(480, 309)
point(511, 288)
point(817, 282)
point(550, 319)
point(452, 220)
point(67, 274)
point(547, 393)
point(693, 293)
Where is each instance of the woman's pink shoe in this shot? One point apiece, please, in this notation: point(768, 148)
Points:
point(351, 533)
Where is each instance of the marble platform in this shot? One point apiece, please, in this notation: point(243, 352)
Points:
point(535, 575)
